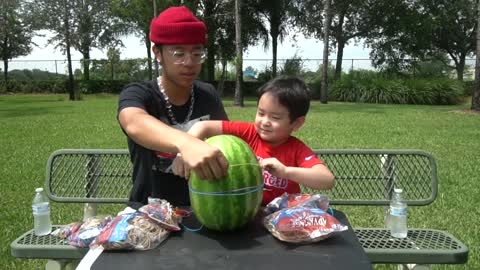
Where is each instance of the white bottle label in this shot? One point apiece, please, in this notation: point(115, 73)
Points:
point(398, 211)
point(40, 208)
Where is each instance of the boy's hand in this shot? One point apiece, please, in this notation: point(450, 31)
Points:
point(274, 166)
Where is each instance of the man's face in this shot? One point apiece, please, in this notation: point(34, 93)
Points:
point(181, 63)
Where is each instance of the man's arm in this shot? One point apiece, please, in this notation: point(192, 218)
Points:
point(207, 161)
point(200, 130)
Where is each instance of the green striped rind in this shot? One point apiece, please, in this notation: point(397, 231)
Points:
point(228, 212)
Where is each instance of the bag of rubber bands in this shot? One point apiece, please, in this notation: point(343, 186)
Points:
point(81, 234)
point(131, 231)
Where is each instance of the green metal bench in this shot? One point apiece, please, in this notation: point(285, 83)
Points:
point(363, 177)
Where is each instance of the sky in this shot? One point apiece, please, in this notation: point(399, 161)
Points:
point(43, 57)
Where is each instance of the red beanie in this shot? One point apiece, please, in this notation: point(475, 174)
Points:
point(177, 25)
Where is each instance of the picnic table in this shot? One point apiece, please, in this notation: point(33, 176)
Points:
point(252, 247)
point(364, 177)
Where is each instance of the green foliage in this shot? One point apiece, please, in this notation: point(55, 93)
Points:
point(292, 66)
point(393, 91)
point(34, 74)
point(30, 86)
point(129, 69)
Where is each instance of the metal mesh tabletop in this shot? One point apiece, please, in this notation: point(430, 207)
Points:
point(421, 246)
point(29, 245)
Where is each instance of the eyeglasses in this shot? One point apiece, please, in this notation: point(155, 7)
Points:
point(180, 57)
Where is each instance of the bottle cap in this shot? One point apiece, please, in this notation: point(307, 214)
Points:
point(39, 189)
point(397, 190)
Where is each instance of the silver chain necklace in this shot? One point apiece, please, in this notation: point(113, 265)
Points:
point(168, 105)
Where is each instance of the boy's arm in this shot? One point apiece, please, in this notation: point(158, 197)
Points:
point(317, 177)
point(206, 129)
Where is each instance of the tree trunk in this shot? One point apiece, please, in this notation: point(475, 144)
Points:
point(5, 73)
point(148, 44)
point(476, 89)
point(338, 66)
point(221, 83)
point(238, 100)
point(86, 65)
point(324, 84)
point(211, 48)
point(70, 85)
point(274, 35)
point(460, 67)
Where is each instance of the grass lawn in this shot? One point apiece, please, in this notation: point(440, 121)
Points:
point(33, 126)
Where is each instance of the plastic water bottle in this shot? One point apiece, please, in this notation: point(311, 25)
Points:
point(41, 213)
point(398, 215)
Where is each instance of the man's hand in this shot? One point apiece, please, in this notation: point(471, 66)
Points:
point(274, 166)
point(207, 161)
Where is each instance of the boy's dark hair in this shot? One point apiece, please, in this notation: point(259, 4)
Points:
point(291, 91)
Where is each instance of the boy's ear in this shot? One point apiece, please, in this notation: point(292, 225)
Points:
point(297, 124)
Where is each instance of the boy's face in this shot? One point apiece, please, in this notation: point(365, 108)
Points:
point(272, 120)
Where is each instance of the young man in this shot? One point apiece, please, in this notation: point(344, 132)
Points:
point(155, 115)
point(286, 161)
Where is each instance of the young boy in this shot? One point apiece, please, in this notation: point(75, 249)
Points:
point(286, 161)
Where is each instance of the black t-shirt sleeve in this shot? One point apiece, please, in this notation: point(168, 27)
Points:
point(133, 95)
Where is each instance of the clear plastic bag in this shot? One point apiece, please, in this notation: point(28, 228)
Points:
point(302, 225)
point(87, 231)
point(320, 201)
point(131, 231)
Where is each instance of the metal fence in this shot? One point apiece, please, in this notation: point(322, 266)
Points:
point(137, 68)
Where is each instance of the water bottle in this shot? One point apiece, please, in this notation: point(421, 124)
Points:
point(398, 215)
point(41, 213)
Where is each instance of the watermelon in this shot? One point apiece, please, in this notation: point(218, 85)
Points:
point(230, 202)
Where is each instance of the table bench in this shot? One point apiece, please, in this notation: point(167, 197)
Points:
point(363, 177)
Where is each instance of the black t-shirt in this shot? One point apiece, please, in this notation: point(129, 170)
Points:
point(152, 174)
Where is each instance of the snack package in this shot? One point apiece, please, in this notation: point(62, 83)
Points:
point(302, 225)
point(298, 200)
point(163, 213)
point(131, 231)
point(68, 230)
point(88, 231)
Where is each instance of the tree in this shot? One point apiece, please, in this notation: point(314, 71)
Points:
point(419, 29)
point(324, 89)
point(94, 26)
point(274, 12)
point(137, 15)
point(476, 90)
point(349, 21)
point(16, 33)
point(62, 26)
point(238, 100)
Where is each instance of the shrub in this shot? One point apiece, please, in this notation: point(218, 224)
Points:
point(380, 90)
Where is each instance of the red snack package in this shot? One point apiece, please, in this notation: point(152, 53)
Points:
point(163, 213)
point(302, 225)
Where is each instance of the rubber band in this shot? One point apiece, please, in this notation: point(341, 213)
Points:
point(233, 192)
point(192, 230)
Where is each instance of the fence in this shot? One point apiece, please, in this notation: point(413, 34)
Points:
point(137, 69)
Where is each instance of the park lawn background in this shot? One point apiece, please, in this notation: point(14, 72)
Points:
point(33, 126)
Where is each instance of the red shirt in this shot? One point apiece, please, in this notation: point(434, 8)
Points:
point(292, 153)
